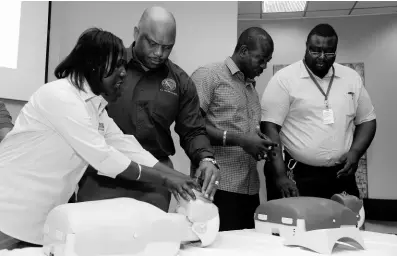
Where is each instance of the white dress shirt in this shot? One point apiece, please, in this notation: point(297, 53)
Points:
point(293, 101)
point(59, 132)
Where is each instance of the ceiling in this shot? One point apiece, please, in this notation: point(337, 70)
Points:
point(252, 10)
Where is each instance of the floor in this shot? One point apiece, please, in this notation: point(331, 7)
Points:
point(387, 227)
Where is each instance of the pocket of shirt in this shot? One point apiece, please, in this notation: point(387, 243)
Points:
point(350, 109)
point(166, 107)
point(350, 105)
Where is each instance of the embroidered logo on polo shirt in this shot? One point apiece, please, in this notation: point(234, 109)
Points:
point(168, 85)
point(101, 127)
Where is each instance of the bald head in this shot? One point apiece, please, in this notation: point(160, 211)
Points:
point(154, 36)
point(159, 21)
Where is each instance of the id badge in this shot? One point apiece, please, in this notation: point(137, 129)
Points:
point(328, 116)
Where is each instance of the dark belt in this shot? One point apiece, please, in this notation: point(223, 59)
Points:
point(291, 163)
point(308, 177)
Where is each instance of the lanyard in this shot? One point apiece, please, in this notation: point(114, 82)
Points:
point(319, 87)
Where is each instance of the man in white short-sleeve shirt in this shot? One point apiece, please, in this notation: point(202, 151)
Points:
point(323, 116)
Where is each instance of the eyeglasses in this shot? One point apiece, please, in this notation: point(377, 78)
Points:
point(318, 54)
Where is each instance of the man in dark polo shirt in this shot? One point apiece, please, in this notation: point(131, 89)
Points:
point(5, 121)
point(156, 93)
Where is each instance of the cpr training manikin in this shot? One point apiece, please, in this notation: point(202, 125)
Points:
point(129, 227)
point(126, 226)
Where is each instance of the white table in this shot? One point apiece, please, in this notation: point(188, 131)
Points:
point(251, 243)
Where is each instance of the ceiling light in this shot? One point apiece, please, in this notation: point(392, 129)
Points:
point(283, 6)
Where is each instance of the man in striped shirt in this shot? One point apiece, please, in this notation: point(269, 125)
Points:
point(232, 111)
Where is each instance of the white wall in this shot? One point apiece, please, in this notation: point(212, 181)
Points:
point(368, 39)
point(20, 81)
point(206, 32)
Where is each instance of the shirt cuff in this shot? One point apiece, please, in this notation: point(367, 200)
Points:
point(272, 120)
point(114, 164)
point(203, 155)
point(149, 160)
point(370, 117)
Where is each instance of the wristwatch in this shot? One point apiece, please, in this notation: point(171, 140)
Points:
point(211, 160)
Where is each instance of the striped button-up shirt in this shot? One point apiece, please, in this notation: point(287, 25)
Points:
point(231, 103)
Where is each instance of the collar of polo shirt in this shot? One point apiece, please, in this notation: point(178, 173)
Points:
point(235, 70)
point(88, 95)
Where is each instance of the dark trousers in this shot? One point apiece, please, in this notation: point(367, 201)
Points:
point(236, 211)
point(97, 187)
point(314, 181)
